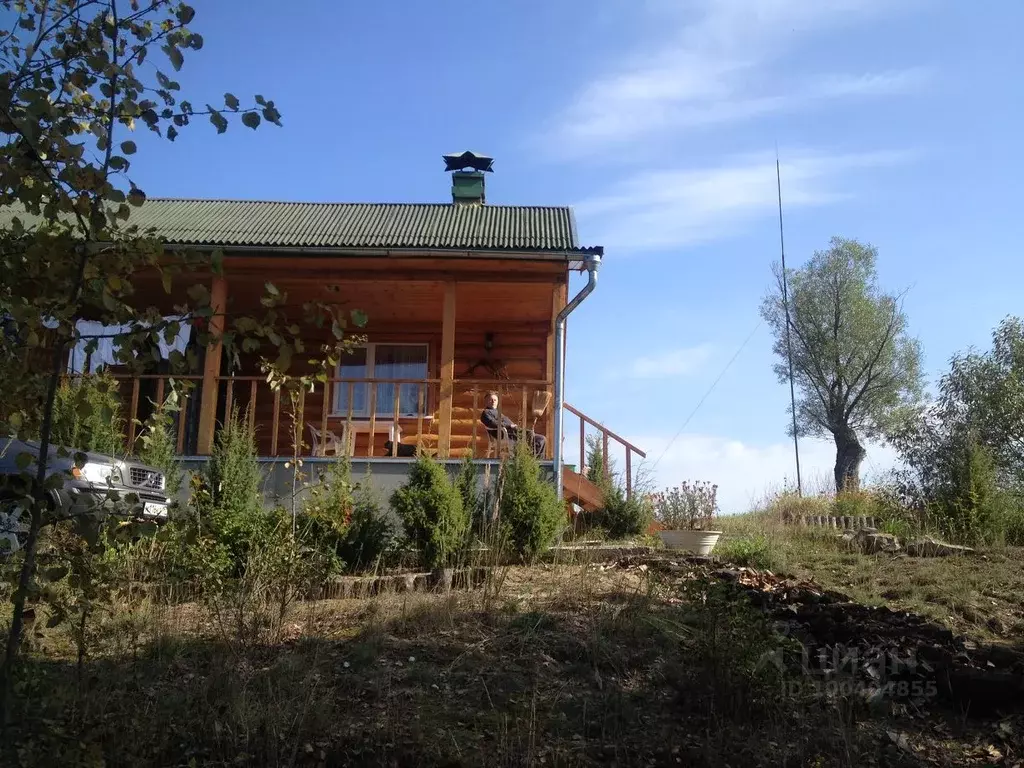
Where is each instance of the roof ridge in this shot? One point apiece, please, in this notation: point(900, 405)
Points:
point(339, 203)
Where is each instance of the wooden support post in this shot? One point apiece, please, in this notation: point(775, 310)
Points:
point(211, 368)
point(325, 408)
point(604, 454)
point(133, 414)
point(476, 419)
point(396, 429)
point(523, 413)
point(559, 297)
point(419, 417)
point(583, 448)
point(229, 397)
point(182, 412)
point(629, 473)
point(350, 438)
point(444, 434)
point(252, 406)
point(275, 423)
point(159, 392)
point(373, 419)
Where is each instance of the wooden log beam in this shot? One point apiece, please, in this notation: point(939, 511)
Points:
point(444, 434)
point(211, 367)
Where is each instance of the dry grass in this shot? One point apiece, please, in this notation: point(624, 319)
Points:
point(557, 665)
point(554, 665)
point(979, 596)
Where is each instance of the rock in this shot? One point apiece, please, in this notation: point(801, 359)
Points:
point(872, 543)
point(929, 547)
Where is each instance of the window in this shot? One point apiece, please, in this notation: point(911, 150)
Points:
point(382, 361)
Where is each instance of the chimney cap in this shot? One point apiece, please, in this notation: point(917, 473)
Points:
point(458, 161)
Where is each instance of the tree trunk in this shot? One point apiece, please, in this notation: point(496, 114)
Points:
point(849, 454)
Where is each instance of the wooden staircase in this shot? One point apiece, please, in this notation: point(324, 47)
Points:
point(579, 490)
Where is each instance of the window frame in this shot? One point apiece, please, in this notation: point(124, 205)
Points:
point(371, 369)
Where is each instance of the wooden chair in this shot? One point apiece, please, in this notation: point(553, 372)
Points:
point(327, 441)
point(498, 446)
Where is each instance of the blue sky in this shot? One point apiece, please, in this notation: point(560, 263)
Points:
point(898, 123)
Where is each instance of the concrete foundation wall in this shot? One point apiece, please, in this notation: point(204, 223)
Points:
point(385, 474)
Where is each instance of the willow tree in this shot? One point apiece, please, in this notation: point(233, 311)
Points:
point(854, 363)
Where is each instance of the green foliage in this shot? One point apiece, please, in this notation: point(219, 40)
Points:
point(754, 551)
point(227, 499)
point(969, 504)
point(431, 510)
point(327, 510)
point(87, 415)
point(529, 512)
point(467, 484)
point(596, 472)
point(370, 541)
point(157, 446)
point(622, 517)
point(854, 363)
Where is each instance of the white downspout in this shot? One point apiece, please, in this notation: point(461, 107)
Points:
point(592, 262)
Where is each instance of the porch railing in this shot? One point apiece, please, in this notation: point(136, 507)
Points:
point(362, 414)
point(606, 436)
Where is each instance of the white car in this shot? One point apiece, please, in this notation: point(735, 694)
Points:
point(99, 484)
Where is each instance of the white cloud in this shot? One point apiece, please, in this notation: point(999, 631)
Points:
point(716, 65)
point(677, 207)
point(673, 362)
point(745, 473)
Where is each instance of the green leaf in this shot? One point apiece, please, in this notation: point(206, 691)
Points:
point(251, 120)
point(218, 120)
point(272, 289)
point(172, 133)
point(185, 14)
point(136, 197)
point(128, 147)
point(359, 318)
point(23, 461)
point(231, 101)
point(174, 55)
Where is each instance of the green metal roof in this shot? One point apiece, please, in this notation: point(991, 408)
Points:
point(358, 225)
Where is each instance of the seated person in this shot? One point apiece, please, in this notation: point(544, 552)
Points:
point(489, 417)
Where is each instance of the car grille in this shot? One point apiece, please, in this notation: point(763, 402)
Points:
point(146, 478)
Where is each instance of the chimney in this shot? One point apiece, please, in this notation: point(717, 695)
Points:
point(468, 170)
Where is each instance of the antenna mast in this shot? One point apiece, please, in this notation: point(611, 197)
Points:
point(789, 343)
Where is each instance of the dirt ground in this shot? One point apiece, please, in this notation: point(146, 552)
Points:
point(649, 661)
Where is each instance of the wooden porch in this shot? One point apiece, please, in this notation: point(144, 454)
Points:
point(463, 326)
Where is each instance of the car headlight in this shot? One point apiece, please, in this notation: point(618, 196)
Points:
point(99, 474)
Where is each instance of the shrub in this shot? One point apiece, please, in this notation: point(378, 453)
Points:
point(687, 506)
point(227, 500)
point(529, 512)
point(466, 483)
point(87, 415)
point(370, 539)
point(430, 508)
point(327, 509)
point(969, 503)
point(157, 444)
point(622, 517)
